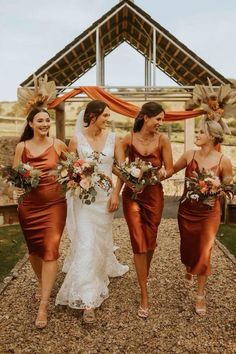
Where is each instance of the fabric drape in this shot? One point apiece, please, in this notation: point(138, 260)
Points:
point(118, 105)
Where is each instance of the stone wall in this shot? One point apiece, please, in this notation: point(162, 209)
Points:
point(7, 149)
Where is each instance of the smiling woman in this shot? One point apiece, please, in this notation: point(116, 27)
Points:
point(143, 215)
point(42, 213)
point(199, 221)
point(91, 260)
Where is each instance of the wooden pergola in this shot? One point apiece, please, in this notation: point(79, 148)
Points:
point(126, 22)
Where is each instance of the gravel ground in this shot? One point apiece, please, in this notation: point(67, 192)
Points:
point(172, 327)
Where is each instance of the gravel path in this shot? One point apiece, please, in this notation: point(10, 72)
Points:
point(172, 327)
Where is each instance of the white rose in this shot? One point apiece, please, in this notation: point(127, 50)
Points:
point(194, 196)
point(64, 173)
point(85, 183)
point(27, 167)
point(135, 172)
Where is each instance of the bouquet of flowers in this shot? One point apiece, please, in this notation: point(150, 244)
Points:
point(206, 187)
point(82, 176)
point(22, 176)
point(140, 173)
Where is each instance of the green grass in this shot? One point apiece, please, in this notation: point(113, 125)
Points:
point(227, 236)
point(12, 248)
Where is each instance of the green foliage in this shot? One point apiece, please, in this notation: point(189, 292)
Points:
point(227, 236)
point(12, 248)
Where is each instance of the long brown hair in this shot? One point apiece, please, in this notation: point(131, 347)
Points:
point(28, 132)
point(150, 109)
point(93, 110)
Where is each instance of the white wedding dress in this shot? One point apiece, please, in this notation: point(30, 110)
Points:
point(91, 258)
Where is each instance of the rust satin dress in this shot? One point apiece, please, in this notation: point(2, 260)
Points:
point(143, 215)
point(198, 225)
point(42, 213)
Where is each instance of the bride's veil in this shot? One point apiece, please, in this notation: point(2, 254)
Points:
point(79, 122)
point(71, 210)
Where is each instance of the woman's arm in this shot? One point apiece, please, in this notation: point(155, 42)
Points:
point(72, 147)
point(182, 162)
point(119, 155)
point(226, 170)
point(167, 157)
point(18, 154)
point(121, 147)
point(60, 147)
point(18, 192)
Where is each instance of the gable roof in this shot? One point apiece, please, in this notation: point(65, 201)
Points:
point(126, 22)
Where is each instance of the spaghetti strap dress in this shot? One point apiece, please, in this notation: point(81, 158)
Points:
point(198, 225)
point(42, 214)
point(143, 215)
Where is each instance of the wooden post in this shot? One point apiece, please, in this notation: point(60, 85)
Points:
point(189, 134)
point(154, 58)
point(60, 122)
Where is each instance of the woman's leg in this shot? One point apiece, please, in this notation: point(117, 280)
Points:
point(200, 305)
point(36, 263)
point(140, 261)
point(49, 273)
point(149, 259)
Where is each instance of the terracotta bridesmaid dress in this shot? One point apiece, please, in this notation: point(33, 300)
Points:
point(198, 225)
point(42, 213)
point(143, 215)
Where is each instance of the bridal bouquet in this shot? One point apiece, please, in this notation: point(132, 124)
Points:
point(206, 187)
point(22, 176)
point(82, 176)
point(140, 173)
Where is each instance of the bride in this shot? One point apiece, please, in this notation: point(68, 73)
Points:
point(91, 259)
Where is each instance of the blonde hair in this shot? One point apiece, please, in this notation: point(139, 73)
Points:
point(214, 129)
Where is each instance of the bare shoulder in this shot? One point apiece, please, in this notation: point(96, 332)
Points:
point(226, 161)
point(74, 140)
point(164, 138)
point(72, 147)
point(59, 143)
point(188, 155)
point(20, 146)
point(18, 153)
point(127, 139)
point(117, 139)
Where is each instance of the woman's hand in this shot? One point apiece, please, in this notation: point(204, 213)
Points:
point(113, 202)
point(162, 173)
point(133, 187)
point(17, 193)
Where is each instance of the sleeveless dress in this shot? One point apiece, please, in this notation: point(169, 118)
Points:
point(198, 225)
point(42, 214)
point(90, 260)
point(143, 215)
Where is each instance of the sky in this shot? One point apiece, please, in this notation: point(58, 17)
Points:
point(33, 31)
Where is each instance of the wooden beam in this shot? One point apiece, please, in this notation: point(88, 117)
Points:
point(60, 122)
point(159, 38)
point(175, 54)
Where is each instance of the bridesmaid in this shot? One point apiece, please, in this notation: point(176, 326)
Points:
point(143, 215)
point(42, 213)
point(198, 224)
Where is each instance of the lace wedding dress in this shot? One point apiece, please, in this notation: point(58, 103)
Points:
point(91, 259)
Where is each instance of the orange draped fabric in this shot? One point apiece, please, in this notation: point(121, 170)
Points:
point(120, 106)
